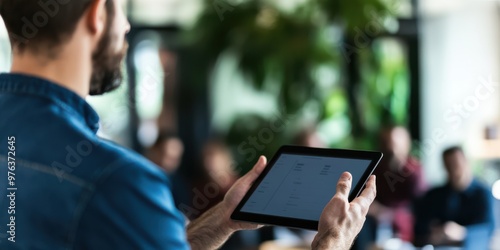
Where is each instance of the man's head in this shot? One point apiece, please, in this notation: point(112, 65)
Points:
point(309, 138)
point(43, 28)
point(395, 143)
point(167, 152)
point(457, 167)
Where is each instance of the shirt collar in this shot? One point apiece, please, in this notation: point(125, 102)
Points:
point(63, 97)
point(469, 190)
point(472, 186)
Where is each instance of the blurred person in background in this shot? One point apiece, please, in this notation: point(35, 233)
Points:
point(218, 170)
point(167, 153)
point(309, 137)
point(459, 213)
point(400, 181)
point(78, 191)
point(219, 175)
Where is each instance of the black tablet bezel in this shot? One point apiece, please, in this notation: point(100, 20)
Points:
point(238, 215)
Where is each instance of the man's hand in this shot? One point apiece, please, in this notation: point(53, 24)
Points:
point(341, 221)
point(215, 226)
point(236, 193)
point(449, 233)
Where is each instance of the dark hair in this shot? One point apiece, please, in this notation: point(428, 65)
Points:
point(164, 136)
point(452, 150)
point(301, 137)
point(42, 24)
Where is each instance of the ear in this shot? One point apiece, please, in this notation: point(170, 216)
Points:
point(96, 17)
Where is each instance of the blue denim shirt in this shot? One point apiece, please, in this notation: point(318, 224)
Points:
point(69, 189)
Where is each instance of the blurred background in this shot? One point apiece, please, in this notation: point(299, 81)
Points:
point(214, 84)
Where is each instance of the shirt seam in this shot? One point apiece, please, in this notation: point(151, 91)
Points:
point(50, 171)
point(85, 200)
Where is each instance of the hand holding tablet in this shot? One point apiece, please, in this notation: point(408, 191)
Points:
point(299, 182)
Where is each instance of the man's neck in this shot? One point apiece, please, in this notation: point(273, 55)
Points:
point(69, 70)
point(463, 185)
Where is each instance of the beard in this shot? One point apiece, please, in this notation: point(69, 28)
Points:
point(106, 63)
point(106, 67)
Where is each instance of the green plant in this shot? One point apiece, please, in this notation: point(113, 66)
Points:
point(294, 48)
point(287, 46)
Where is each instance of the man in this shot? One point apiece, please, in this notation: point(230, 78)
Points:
point(308, 137)
point(399, 182)
point(166, 152)
point(458, 213)
point(72, 190)
point(400, 174)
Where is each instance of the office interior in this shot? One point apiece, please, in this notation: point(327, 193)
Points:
point(222, 82)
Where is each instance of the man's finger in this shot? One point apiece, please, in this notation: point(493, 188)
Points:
point(368, 195)
point(370, 191)
point(344, 185)
point(260, 165)
point(256, 170)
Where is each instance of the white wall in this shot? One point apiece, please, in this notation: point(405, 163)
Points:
point(460, 46)
point(5, 54)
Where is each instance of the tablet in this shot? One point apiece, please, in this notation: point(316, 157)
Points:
point(298, 182)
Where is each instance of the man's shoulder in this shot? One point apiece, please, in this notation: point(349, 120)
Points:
point(443, 188)
point(437, 193)
point(413, 164)
point(480, 187)
point(48, 135)
point(129, 160)
point(129, 191)
point(77, 155)
point(117, 176)
point(125, 162)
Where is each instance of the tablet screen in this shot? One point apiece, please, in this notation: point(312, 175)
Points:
point(300, 186)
